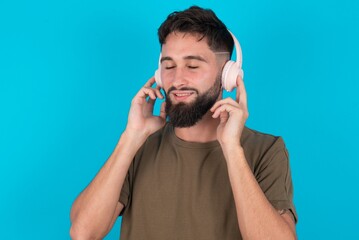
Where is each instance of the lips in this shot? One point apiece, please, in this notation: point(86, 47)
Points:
point(181, 95)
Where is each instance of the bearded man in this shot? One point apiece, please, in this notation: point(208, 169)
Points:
point(195, 171)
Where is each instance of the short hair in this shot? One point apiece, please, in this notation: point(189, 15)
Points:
point(197, 20)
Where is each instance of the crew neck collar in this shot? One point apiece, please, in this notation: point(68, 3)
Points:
point(180, 142)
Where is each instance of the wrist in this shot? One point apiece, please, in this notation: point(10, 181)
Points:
point(130, 142)
point(135, 136)
point(232, 151)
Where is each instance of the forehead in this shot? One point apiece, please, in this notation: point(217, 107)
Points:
point(179, 44)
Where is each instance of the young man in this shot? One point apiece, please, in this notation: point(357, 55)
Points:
point(203, 174)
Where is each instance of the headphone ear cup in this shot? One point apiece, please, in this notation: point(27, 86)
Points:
point(158, 77)
point(229, 75)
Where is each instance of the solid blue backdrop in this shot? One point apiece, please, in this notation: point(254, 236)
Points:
point(69, 69)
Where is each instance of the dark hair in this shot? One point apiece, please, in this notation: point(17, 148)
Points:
point(196, 20)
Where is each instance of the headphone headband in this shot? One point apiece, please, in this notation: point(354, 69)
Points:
point(238, 49)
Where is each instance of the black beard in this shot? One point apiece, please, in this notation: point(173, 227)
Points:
point(184, 115)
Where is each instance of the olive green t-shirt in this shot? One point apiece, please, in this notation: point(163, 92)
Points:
point(181, 190)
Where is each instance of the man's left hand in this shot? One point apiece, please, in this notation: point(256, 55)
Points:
point(233, 115)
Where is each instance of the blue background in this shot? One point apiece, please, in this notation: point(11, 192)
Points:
point(69, 69)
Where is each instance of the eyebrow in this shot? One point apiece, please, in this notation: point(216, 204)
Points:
point(190, 57)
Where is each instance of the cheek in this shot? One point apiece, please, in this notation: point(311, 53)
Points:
point(166, 75)
point(208, 78)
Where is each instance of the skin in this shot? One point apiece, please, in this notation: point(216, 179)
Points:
point(186, 62)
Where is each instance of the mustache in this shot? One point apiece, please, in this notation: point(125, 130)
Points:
point(181, 89)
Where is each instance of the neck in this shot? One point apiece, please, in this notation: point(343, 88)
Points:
point(203, 131)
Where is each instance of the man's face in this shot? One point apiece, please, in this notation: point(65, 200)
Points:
point(190, 74)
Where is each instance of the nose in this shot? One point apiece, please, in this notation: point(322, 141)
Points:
point(179, 78)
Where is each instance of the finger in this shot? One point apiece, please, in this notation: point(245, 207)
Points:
point(148, 108)
point(150, 82)
point(148, 85)
point(241, 95)
point(222, 102)
point(223, 108)
point(223, 116)
point(158, 87)
point(143, 93)
point(158, 93)
point(150, 93)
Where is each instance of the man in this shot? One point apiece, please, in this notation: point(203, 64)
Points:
point(203, 174)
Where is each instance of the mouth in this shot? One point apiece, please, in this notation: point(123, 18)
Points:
point(180, 95)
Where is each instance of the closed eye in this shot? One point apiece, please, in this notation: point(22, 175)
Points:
point(192, 67)
point(170, 67)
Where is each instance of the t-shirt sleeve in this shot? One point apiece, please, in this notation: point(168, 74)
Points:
point(275, 179)
point(125, 192)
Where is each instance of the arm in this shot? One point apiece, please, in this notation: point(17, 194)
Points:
point(257, 218)
point(96, 209)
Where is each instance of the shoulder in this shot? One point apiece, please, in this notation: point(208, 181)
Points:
point(160, 135)
point(154, 141)
point(253, 138)
point(259, 146)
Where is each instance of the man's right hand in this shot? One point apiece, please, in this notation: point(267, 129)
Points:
point(141, 121)
point(97, 207)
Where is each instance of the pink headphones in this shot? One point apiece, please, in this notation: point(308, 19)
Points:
point(229, 73)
